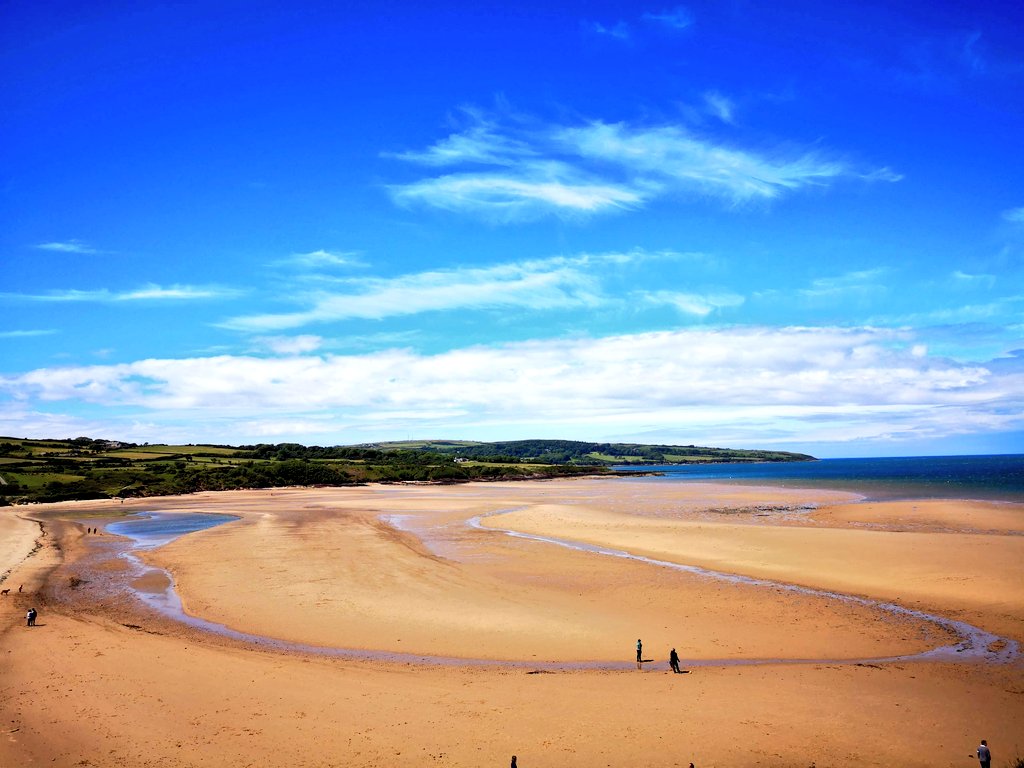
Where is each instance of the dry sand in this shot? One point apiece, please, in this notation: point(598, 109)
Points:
point(106, 682)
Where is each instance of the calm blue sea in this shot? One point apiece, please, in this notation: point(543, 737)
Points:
point(966, 477)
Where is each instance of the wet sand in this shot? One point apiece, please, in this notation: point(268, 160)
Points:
point(397, 569)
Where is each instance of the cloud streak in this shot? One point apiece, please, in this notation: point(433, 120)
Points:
point(539, 285)
point(530, 192)
point(67, 246)
point(25, 334)
point(321, 259)
point(700, 305)
point(148, 292)
point(533, 170)
point(676, 19)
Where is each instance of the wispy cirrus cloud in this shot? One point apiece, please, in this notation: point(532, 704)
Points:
point(67, 246)
point(857, 281)
point(676, 159)
point(596, 167)
point(996, 310)
point(532, 190)
point(1014, 215)
point(966, 279)
point(697, 304)
point(290, 345)
point(678, 18)
point(618, 31)
point(26, 334)
point(542, 284)
point(720, 106)
point(148, 292)
point(320, 259)
point(481, 142)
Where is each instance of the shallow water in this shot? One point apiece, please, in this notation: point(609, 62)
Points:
point(154, 529)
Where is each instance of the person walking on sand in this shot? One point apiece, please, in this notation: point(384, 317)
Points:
point(639, 652)
point(30, 617)
point(513, 761)
point(984, 754)
point(673, 661)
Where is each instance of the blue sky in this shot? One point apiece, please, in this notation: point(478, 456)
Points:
point(780, 225)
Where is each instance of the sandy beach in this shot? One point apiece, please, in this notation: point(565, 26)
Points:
point(467, 641)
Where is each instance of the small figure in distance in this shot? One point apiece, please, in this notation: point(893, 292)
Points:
point(984, 754)
point(673, 661)
point(30, 617)
point(639, 653)
point(513, 761)
point(20, 586)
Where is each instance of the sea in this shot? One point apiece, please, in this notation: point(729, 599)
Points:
point(987, 478)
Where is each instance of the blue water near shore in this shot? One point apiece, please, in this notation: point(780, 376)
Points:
point(993, 478)
point(159, 528)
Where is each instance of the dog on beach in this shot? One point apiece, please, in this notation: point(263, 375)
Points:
point(5, 591)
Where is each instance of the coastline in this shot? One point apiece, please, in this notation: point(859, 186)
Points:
point(306, 537)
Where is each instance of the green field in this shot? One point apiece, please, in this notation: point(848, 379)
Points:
point(86, 468)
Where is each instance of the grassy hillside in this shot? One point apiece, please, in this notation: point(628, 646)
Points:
point(86, 468)
point(572, 451)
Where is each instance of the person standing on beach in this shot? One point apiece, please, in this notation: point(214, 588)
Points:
point(673, 661)
point(984, 754)
point(30, 617)
point(639, 652)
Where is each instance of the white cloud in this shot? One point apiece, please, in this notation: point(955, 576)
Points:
point(962, 278)
point(174, 292)
point(148, 292)
point(320, 259)
point(676, 18)
point(25, 334)
point(1015, 215)
point(700, 305)
point(744, 382)
point(720, 106)
point(600, 167)
point(619, 31)
point(527, 192)
point(1000, 309)
point(668, 154)
point(67, 246)
point(479, 143)
point(885, 174)
point(543, 284)
point(858, 281)
point(290, 345)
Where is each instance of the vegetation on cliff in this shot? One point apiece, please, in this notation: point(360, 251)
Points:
point(88, 468)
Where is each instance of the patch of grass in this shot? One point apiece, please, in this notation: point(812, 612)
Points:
point(133, 453)
point(36, 481)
